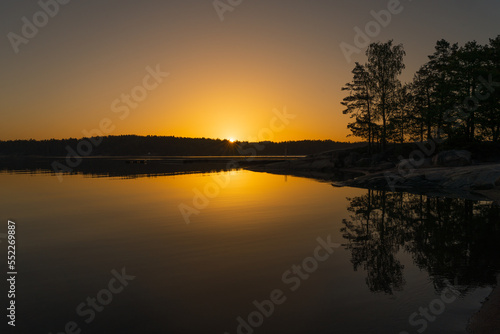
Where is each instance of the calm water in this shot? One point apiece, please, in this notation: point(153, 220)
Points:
point(397, 253)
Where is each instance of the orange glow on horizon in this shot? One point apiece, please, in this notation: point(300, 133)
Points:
point(174, 69)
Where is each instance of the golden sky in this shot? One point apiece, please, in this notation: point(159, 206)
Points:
point(225, 77)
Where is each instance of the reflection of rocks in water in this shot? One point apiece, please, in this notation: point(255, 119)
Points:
point(452, 239)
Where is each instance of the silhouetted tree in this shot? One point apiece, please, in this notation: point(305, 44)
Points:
point(454, 96)
point(401, 119)
point(359, 105)
point(385, 64)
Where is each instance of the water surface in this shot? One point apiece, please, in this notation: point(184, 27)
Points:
point(398, 252)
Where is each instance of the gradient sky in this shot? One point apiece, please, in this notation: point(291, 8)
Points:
point(225, 77)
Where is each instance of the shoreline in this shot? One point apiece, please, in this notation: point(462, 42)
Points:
point(479, 182)
point(449, 174)
point(487, 319)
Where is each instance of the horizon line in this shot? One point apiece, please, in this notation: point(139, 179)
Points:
point(181, 137)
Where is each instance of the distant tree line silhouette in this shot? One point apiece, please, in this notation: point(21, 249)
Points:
point(128, 145)
point(455, 96)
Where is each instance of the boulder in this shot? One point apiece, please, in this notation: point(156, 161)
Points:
point(321, 164)
point(384, 165)
point(410, 164)
point(377, 157)
point(351, 159)
point(363, 162)
point(452, 158)
point(405, 165)
point(426, 163)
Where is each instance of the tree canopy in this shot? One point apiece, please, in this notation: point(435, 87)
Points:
point(455, 96)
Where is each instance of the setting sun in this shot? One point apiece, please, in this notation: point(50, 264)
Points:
point(216, 162)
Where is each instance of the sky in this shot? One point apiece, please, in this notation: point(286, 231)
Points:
point(242, 69)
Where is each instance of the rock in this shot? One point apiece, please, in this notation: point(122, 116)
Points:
point(351, 159)
point(434, 176)
point(384, 165)
point(485, 180)
point(337, 162)
point(405, 165)
point(321, 164)
point(364, 162)
point(461, 181)
point(452, 158)
point(377, 157)
point(484, 186)
point(487, 319)
point(337, 158)
point(426, 163)
point(410, 164)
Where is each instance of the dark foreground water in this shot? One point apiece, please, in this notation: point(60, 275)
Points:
point(241, 252)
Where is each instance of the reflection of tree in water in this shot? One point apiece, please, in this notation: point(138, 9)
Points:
point(374, 241)
point(452, 239)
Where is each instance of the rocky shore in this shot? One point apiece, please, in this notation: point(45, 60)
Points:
point(473, 182)
point(448, 173)
point(487, 320)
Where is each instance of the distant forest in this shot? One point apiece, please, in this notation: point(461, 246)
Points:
point(131, 145)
